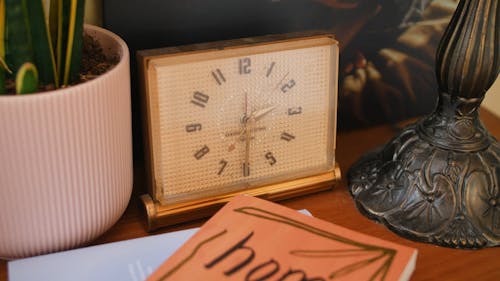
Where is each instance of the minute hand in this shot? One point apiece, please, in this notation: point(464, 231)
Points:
point(256, 115)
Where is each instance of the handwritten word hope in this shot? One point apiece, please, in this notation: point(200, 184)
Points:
point(254, 272)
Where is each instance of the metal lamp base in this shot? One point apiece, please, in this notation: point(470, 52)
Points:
point(438, 181)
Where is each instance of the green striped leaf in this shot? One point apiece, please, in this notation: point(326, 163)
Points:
point(27, 79)
point(18, 48)
point(42, 44)
point(75, 41)
point(62, 10)
point(54, 22)
point(3, 65)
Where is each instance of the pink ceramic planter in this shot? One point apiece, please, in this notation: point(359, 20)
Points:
point(66, 160)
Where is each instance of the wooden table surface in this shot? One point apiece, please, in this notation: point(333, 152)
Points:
point(336, 205)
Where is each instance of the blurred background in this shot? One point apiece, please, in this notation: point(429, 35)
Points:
point(391, 33)
point(387, 47)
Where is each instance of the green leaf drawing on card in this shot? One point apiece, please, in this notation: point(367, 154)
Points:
point(359, 249)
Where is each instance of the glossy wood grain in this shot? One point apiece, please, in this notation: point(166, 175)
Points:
point(336, 206)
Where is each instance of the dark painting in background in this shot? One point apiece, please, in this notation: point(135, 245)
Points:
point(387, 46)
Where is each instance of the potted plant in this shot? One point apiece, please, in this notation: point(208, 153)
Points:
point(65, 145)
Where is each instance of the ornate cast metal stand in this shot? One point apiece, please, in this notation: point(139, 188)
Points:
point(438, 181)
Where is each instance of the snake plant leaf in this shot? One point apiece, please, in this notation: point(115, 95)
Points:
point(75, 41)
point(27, 79)
point(42, 44)
point(4, 66)
point(58, 16)
point(18, 48)
point(66, 16)
point(2, 47)
point(54, 22)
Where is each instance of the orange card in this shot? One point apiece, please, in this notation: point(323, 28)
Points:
point(253, 239)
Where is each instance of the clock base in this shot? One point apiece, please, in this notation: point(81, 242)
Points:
point(160, 215)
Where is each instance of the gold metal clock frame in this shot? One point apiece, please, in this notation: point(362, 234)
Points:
point(159, 214)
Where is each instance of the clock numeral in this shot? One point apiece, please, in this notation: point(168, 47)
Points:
point(218, 76)
point(246, 169)
point(244, 64)
point(270, 69)
point(285, 88)
point(295, 110)
point(200, 99)
point(223, 164)
point(202, 152)
point(270, 158)
point(286, 136)
point(193, 127)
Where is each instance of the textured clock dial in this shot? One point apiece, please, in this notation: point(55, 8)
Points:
point(234, 122)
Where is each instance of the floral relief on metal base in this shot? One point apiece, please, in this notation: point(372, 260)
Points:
point(438, 181)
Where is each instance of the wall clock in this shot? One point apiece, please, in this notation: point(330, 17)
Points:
point(254, 116)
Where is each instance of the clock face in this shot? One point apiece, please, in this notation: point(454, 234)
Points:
point(245, 118)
